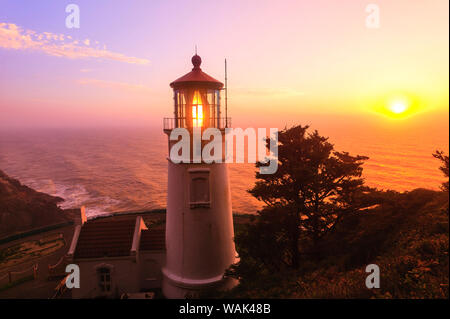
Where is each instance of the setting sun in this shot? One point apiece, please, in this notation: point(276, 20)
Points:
point(398, 107)
point(399, 104)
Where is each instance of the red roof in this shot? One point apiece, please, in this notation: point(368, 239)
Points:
point(113, 237)
point(106, 237)
point(153, 239)
point(196, 78)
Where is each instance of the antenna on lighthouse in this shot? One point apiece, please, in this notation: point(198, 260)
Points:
point(226, 96)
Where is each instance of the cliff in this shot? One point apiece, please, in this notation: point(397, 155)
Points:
point(22, 208)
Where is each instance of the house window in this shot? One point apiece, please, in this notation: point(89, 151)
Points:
point(104, 279)
point(199, 188)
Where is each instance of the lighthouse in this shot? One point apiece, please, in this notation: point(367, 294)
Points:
point(199, 221)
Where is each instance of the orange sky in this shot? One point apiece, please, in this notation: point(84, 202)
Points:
point(289, 62)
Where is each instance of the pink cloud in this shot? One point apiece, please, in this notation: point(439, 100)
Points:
point(15, 38)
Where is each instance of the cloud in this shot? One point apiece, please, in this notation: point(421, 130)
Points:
point(14, 37)
point(112, 84)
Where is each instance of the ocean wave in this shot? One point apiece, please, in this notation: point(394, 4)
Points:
point(75, 196)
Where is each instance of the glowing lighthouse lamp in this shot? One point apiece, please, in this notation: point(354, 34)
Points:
point(197, 110)
point(199, 222)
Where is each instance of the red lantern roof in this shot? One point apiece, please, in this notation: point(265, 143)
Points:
point(196, 78)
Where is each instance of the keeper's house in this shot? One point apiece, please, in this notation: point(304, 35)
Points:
point(117, 255)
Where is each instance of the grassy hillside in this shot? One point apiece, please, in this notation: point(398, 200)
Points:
point(406, 236)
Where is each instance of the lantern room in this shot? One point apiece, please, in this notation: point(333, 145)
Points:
point(196, 100)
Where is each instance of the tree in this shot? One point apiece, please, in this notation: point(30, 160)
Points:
point(444, 168)
point(312, 189)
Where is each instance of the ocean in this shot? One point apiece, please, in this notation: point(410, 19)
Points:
point(114, 170)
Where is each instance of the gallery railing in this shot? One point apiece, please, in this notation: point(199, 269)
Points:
point(217, 122)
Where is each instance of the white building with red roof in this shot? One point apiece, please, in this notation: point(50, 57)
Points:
point(117, 255)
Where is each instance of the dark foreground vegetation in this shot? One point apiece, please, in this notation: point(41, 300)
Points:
point(321, 226)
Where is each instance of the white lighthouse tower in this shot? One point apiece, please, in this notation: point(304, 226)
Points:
point(199, 222)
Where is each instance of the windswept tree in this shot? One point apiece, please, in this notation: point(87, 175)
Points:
point(444, 168)
point(305, 198)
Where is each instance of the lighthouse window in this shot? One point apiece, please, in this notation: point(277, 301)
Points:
point(199, 189)
point(197, 110)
